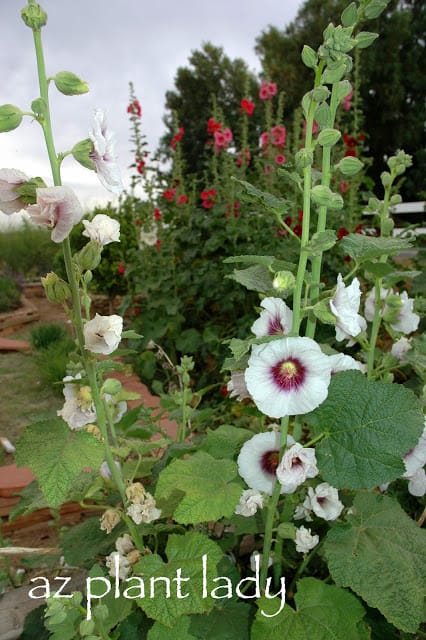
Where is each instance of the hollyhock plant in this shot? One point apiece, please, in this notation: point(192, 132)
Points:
point(258, 460)
point(305, 541)
point(169, 194)
point(280, 158)
point(177, 137)
point(297, 464)
point(57, 208)
point(345, 306)
point(251, 500)
point(102, 334)
point(103, 154)
point(102, 229)
point(276, 318)
point(183, 199)
point(324, 501)
point(288, 376)
point(10, 201)
point(149, 238)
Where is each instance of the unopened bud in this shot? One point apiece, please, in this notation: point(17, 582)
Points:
point(283, 280)
point(89, 257)
point(111, 386)
point(34, 16)
point(57, 290)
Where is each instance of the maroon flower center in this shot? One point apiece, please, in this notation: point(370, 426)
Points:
point(274, 326)
point(269, 461)
point(288, 374)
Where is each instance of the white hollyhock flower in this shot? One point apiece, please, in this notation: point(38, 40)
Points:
point(407, 321)
point(400, 348)
point(102, 334)
point(57, 208)
point(345, 306)
point(105, 471)
point(302, 512)
point(297, 464)
point(414, 462)
point(258, 460)
point(256, 561)
point(148, 237)
point(78, 409)
point(251, 500)
point(289, 376)
point(124, 565)
point(102, 229)
point(370, 302)
point(103, 154)
point(324, 501)
point(275, 318)
point(10, 201)
point(237, 387)
point(305, 541)
point(343, 362)
point(124, 544)
point(145, 511)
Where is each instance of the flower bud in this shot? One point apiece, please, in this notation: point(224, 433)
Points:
point(328, 137)
point(81, 152)
point(57, 290)
point(309, 57)
point(286, 530)
point(283, 280)
point(111, 386)
point(386, 179)
point(10, 117)
point(34, 16)
point(304, 158)
point(69, 84)
point(89, 256)
point(349, 166)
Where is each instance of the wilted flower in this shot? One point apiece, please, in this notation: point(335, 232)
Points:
point(124, 565)
point(237, 387)
point(305, 541)
point(345, 306)
point(57, 208)
point(324, 501)
point(78, 409)
point(288, 376)
point(103, 154)
point(251, 500)
point(110, 518)
point(105, 471)
point(145, 511)
point(406, 321)
point(297, 464)
point(102, 229)
point(102, 334)
point(276, 318)
point(302, 512)
point(10, 201)
point(124, 544)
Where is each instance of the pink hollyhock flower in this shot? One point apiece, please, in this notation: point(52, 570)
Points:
point(264, 139)
point(102, 334)
point(347, 101)
point(278, 135)
point(324, 501)
point(10, 201)
point(345, 306)
point(103, 154)
point(276, 318)
point(267, 90)
point(289, 376)
point(247, 106)
point(297, 464)
point(258, 460)
point(280, 158)
point(57, 208)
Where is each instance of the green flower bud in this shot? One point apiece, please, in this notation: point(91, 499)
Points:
point(387, 226)
point(350, 15)
point(286, 530)
point(81, 152)
point(304, 158)
point(328, 137)
point(34, 16)
point(69, 84)
point(283, 280)
point(309, 57)
point(324, 196)
point(350, 166)
point(365, 38)
point(89, 256)
point(386, 179)
point(395, 199)
point(57, 290)
point(111, 386)
point(10, 117)
point(321, 93)
point(394, 301)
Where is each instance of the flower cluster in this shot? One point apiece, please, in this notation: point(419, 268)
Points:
point(120, 561)
point(267, 90)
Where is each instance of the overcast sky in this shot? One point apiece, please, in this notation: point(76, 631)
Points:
point(109, 43)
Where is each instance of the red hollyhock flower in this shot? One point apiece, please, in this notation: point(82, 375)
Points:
point(350, 152)
point(342, 232)
point(121, 269)
point(208, 198)
point(247, 106)
point(344, 186)
point(298, 230)
point(138, 222)
point(300, 215)
point(288, 220)
point(213, 126)
point(349, 141)
point(157, 214)
point(136, 311)
point(140, 164)
point(177, 138)
point(135, 108)
point(183, 199)
point(157, 244)
point(169, 194)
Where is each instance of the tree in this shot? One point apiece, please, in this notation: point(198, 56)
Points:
point(211, 78)
point(393, 83)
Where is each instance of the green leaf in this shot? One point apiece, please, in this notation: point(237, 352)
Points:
point(31, 499)
point(56, 455)
point(130, 333)
point(380, 554)
point(207, 484)
point(224, 441)
point(10, 117)
point(96, 542)
point(375, 8)
point(365, 38)
point(349, 15)
point(159, 631)
point(362, 248)
point(378, 269)
point(184, 552)
point(230, 622)
point(323, 612)
point(69, 84)
point(324, 196)
point(321, 241)
point(266, 200)
point(368, 427)
point(255, 278)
